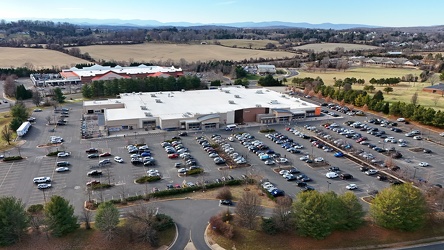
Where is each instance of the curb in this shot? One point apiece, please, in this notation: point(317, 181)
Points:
point(175, 238)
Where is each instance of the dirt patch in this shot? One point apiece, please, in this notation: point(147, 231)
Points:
point(318, 164)
point(368, 235)
point(416, 150)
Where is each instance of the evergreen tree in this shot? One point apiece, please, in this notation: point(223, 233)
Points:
point(60, 216)
point(13, 220)
point(401, 207)
point(107, 219)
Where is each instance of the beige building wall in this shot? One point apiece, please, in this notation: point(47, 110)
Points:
point(120, 123)
point(103, 106)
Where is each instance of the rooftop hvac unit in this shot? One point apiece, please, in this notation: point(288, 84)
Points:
point(236, 96)
point(183, 90)
point(231, 102)
point(143, 108)
point(283, 96)
point(259, 92)
point(258, 105)
point(227, 91)
point(148, 114)
point(153, 95)
point(158, 101)
point(274, 102)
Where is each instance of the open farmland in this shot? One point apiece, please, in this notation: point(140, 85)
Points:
point(244, 43)
point(402, 92)
point(320, 47)
point(39, 58)
point(161, 52)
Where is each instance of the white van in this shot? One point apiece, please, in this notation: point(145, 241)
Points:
point(230, 127)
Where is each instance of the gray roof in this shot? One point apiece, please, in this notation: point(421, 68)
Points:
point(439, 86)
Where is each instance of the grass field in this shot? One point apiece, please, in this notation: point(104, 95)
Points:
point(39, 58)
point(155, 52)
point(320, 47)
point(244, 43)
point(402, 92)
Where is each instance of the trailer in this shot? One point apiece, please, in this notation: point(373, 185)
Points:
point(23, 129)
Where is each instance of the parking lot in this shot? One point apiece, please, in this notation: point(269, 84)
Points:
point(17, 176)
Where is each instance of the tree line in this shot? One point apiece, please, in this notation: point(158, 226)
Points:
point(318, 214)
point(150, 84)
point(361, 99)
point(56, 217)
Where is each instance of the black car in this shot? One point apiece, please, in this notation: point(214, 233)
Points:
point(308, 188)
point(346, 176)
point(92, 150)
point(226, 202)
point(427, 151)
point(183, 133)
point(61, 123)
point(334, 169)
point(301, 184)
point(363, 169)
point(381, 177)
point(93, 156)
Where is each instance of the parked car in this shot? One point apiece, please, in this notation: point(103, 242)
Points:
point(339, 154)
point(371, 172)
point(92, 183)
point(104, 162)
point(92, 150)
point(118, 159)
point(331, 175)
point(105, 154)
point(351, 186)
point(62, 164)
point(44, 185)
point(94, 173)
point(423, 164)
point(63, 154)
point(346, 176)
point(62, 169)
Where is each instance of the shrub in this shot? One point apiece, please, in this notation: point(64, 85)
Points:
point(35, 208)
point(13, 158)
point(163, 222)
point(54, 153)
point(195, 171)
point(135, 198)
point(269, 226)
point(145, 179)
point(101, 186)
point(270, 130)
point(224, 194)
point(220, 227)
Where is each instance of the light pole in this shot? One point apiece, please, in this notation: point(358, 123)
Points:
point(135, 137)
point(414, 173)
point(328, 186)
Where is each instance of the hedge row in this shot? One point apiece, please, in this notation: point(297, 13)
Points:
point(176, 191)
point(54, 153)
point(13, 158)
point(267, 130)
point(195, 171)
point(101, 186)
point(145, 179)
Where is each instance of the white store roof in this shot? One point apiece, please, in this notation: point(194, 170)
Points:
point(188, 104)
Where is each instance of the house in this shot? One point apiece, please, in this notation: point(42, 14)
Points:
point(438, 88)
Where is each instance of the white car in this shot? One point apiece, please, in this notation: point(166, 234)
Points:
point(331, 175)
point(400, 119)
point(282, 160)
point(371, 172)
point(417, 137)
point(304, 158)
point(44, 186)
point(441, 134)
point(182, 170)
point(283, 172)
point(62, 169)
point(118, 159)
point(423, 164)
point(319, 159)
point(269, 162)
point(63, 154)
point(351, 186)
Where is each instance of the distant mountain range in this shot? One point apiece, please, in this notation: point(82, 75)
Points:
point(153, 24)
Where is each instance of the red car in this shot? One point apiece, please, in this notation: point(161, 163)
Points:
point(105, 154)
point(173, 156)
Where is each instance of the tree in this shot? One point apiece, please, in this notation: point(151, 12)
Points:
point(312, 215)
point(388, 90)
point(248, 208)
point(414, 99)
point(14, 124)
point(353, 214)
point(22, 93)
point(60, 216)
point(369, 88)
point(19, 111)
point(224, 194)
point(144, 223)
point(58, 95)
point(441, 76)
point(36, 216)
point(7, 134)
point(36, 98)
point(107, 219)
point(282, 218)
point(13, 220)
point(401, 207)
point(378, 96)
point(9, 87)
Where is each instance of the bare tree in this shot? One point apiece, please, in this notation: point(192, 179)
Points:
point(247, 209)
point(36, 98)
point(141, 224)
point(9, 86)
point(7, 134)
point(436, 100)
point(224, 194)
point(86, 217)
point(122, 192)
point(281, 213)
point(414, 99)
point(48, 119)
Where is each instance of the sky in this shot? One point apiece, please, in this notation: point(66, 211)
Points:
point(389, 13)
